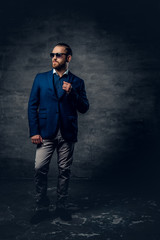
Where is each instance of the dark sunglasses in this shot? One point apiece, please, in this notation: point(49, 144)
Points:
point(58, 55)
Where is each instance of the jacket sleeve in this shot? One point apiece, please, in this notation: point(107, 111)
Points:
point(33, 105)
point(80, 98)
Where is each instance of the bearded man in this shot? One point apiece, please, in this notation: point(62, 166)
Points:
point(55, 98)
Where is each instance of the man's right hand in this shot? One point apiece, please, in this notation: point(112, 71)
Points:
point(36, 139)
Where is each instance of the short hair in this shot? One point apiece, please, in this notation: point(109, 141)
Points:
point(68, 49)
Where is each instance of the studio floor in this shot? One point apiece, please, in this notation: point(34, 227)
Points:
point(101, 210)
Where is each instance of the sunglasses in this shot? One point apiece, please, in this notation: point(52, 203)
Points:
point(58, 55)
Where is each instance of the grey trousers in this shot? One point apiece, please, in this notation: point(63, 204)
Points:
point(44, 153)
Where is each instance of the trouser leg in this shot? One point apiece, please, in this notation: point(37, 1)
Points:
point(42, 160)
point(64, 160)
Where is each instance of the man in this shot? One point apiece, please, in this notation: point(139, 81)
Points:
point(55, 97)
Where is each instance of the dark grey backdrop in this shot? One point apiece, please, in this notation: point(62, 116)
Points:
point(116, 51)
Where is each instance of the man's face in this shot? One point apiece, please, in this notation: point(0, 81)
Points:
point(59, 62)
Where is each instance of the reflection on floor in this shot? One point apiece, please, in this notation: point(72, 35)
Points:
point(100, 211)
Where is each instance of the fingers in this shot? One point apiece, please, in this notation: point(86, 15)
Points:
point(37, 139)
point(66, 86)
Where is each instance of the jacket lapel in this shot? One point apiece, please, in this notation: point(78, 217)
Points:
point(66, 79)
point(70, 77)
point(50, 82)
point(61, 91)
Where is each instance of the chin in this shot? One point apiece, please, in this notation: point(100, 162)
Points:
point(55, 66)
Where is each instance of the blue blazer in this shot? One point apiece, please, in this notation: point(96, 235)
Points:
point(46, 110)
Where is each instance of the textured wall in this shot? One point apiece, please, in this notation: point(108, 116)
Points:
point(115, 51)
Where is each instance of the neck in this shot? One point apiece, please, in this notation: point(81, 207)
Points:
point(61, 72)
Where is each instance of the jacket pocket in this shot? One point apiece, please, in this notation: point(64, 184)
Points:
point(73, 121)
point(42, 115)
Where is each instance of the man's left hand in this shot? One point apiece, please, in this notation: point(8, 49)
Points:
point(67, 86)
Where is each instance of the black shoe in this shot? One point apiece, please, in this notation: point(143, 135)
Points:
point(63, 213)
point(39, 216)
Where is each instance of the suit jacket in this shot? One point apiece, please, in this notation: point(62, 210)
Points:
point(46, 110)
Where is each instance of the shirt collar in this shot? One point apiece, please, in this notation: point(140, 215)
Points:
point(66, 72)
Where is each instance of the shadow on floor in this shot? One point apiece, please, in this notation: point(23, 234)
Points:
point(101, 210)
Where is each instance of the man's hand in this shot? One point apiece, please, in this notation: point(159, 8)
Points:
point(67, 86)
point(36, 139)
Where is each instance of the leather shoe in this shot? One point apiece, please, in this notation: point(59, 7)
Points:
point(63, 213)
point(39, 216)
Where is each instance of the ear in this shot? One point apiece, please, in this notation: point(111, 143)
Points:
point(69, 58)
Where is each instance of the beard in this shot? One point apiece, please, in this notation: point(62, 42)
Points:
point(58, 66)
